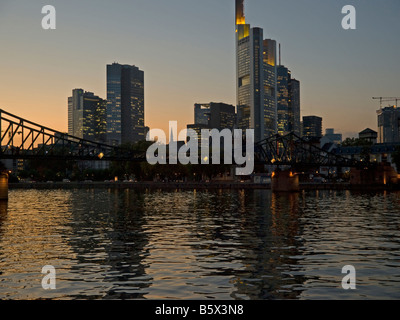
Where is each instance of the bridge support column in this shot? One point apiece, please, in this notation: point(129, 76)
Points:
point(285, 181)
point(3, 186)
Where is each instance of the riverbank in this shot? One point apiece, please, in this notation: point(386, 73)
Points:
point(190, 185)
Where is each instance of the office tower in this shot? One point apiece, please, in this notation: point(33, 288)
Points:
point(270, 88)
point(294, 107)
point(332, 136)
point(201, 113)
point(215, 115)
point(256, 70)
point(389, 125)
point(283, 76)
point(222, 116)
point(249, 71)
point(87, 116)
point(312, 126)
point(125, 107)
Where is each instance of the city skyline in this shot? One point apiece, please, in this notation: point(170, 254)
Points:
point(345, 68)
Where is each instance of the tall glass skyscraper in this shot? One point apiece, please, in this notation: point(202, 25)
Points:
point(270, 88)
point(87, 116)
point(256, 78)
point(312, 126)
point(283, 99)
point(268, 99)
point(389, 125)
point(288, 102)
point(125, 107)
point(294, 106)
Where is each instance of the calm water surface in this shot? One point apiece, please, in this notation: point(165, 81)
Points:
point(125, 244)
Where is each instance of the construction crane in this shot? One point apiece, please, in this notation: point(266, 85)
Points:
point(387, 99)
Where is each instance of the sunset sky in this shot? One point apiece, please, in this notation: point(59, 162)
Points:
point(187, 51)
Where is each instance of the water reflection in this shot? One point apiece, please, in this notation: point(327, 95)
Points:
point(109, 242)
point(125, 244)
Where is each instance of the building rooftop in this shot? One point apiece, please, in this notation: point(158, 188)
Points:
point(368, 130)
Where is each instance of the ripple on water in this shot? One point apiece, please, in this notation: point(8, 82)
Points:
point(124, 244)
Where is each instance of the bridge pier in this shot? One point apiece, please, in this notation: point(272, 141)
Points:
point(3, 186)
point(285, 181)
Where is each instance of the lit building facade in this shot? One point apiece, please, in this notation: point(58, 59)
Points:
point(312, 126)
point(288, 105)
point(213, 115)
point(87, 116)
point(294, 107)
point(270, 88)
point(125, 107)
point(222, 116)
point(201, 113)
point(253, 109)
point(283, 99)
point(389, 125)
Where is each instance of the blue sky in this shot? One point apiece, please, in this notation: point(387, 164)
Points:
point(187, 50)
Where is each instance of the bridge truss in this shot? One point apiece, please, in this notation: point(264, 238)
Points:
point(24, 139)
point(294, 151)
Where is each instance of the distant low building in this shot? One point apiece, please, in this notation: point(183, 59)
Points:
point(369, 135)
point(331, 139)
point(13, 165)
point(380, 152)
point(332, 136)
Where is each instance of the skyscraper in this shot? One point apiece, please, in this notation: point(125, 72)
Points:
point(294, 106)
point(256, 78)
point(389, 125)
point(201, 113)
point(270, 88)
point(312, 126)
point(268, 99)
point(283, 99)
point(125, 107)
point(288, 102)
point(215, 115)
point(87, 116)
point(222, 116)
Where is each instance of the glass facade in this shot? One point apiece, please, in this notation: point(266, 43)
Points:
point(201, 113)
point(270, 88)
point(125, 107)
point(312, 126)
point(249, 68)
point(267, 100)
point(87, 116)
point(294, 107)
point(389, 125)
point(283, 99)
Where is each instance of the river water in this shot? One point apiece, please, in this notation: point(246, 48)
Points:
point(126, 244)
